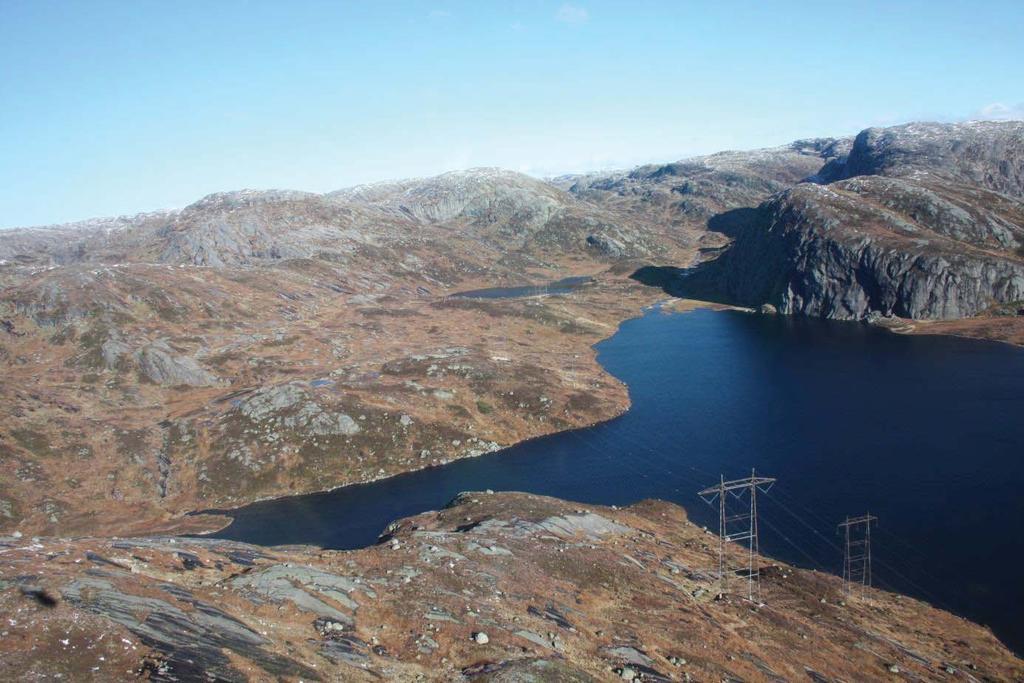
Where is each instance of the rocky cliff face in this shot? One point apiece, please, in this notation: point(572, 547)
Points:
point(920, 221)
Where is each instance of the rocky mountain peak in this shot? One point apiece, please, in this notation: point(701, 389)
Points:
point(988, 154)
point(237, 199)
point(459, 194)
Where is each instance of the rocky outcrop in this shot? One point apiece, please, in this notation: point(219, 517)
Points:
point(160, 364)
point(177, 623)
point(289, 406)
point(942, 238)
point(609, 246)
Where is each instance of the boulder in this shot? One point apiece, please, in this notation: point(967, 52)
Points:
point(159, 363)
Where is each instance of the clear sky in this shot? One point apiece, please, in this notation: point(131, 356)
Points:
point(124, 106)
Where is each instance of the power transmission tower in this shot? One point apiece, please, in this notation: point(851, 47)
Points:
point(737, 488)
point(857, 551)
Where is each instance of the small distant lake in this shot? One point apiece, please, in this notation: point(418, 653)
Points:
point(563, 286)
point(927, 433)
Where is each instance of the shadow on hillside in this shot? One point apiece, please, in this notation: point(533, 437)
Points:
point(731, 223)
point(706, 281)
point(685, 283)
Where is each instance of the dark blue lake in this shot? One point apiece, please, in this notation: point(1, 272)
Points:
point(927, 433)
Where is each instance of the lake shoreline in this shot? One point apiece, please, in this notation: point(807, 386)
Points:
point(676, 304)
point(669, 445)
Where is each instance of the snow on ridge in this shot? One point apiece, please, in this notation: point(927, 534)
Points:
point(108, 224)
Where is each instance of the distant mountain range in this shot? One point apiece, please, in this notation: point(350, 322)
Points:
point(917, 221)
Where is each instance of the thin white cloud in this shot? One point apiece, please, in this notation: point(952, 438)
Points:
point(997, 111)
point(572, 14)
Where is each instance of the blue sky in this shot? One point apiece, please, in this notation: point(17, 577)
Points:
point(118, 107)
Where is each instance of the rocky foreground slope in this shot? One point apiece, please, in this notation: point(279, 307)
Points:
point(496, 587)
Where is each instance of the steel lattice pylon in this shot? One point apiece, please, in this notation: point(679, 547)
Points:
point(737, 488)
point(857, 551)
